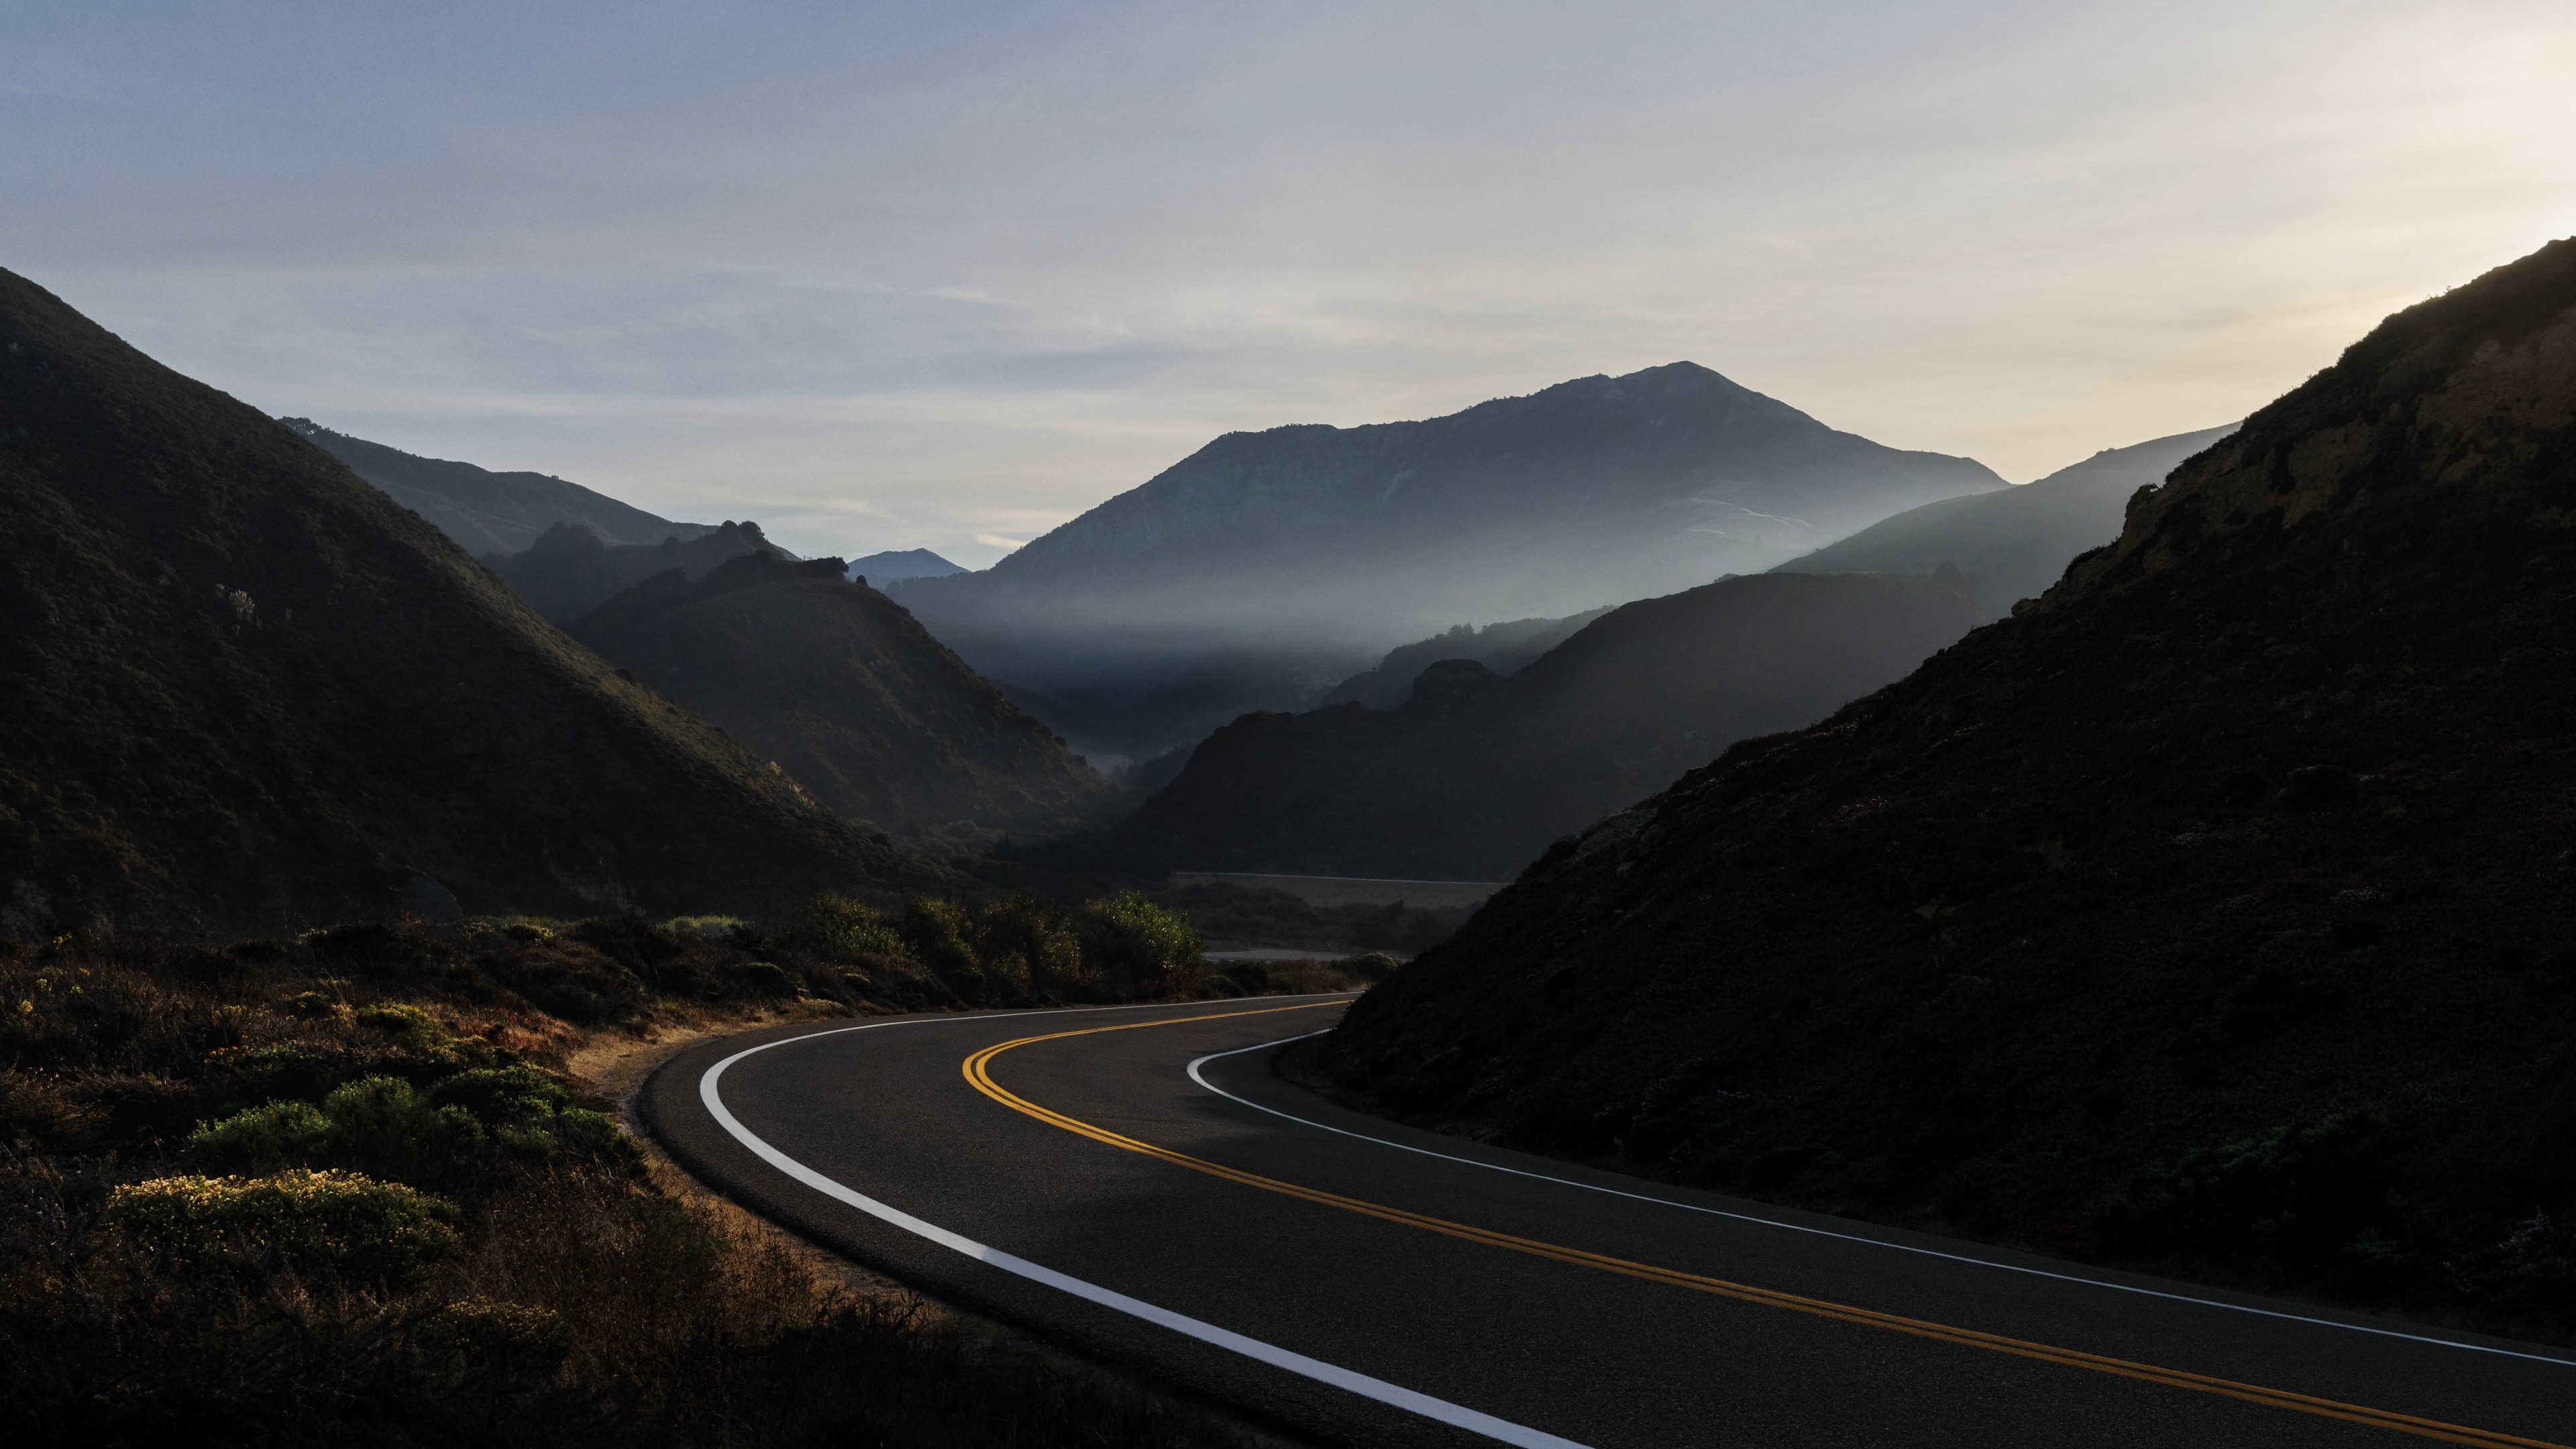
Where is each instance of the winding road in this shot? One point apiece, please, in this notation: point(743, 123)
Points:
point(1136, 1183)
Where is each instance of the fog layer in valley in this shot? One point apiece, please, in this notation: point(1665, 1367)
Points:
point(1266, 566)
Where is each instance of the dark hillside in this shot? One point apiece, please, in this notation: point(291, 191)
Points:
point(568, 571)
point(1474, 774)
point(488, 512)
point(839, 685)
point(1505, 648)
point(2013, 543)
point(245, 688)
point(2213, 912)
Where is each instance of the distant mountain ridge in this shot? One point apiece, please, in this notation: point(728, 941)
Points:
point(490, 512)
point(1263, 560)
point(1660, 479)
point(2013, 543)
point(893, 566)
point(248, 691)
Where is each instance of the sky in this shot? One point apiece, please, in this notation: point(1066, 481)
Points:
point(895, 276)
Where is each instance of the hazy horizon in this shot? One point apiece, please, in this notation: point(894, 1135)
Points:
point(906, 277)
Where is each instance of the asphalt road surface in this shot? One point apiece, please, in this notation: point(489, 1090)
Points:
point(1136, 1183)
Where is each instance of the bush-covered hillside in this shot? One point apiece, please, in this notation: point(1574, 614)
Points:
point(2212, 913)
point(340, 1187)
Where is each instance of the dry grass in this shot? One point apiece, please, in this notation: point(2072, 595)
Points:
point(585, 1300)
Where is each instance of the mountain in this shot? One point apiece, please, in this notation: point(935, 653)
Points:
point(248, 690)
point(2212, 912)
point(489, 512)
point(1474, 774)
point(1081, 733)
point(1238, 575)
point(838, 685)
point(1504, 648)
point(2013, 543)
point(892, 567)
point(568, 571)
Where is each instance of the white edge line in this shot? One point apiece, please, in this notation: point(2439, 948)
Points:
point(1829, 1233)
point(1252, 1348)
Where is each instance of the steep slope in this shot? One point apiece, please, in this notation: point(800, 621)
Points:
point(839, 685)
point(1505, 648)
point(1232, 578)
point(487, 512)
point(894, 566)
point(1473, 775)
point(2214, 910)
point(246, 689)
point(568, 571)
point(2013, 543)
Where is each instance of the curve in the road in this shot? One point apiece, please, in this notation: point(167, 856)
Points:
point(1189, 1257)
point(1396, 1395)
point(977, 1070)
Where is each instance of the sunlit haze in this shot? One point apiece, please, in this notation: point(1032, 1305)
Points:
point(945, 276)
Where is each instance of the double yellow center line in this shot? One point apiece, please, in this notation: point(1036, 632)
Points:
point(978, 1070)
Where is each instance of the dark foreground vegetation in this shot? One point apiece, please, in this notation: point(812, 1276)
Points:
point(2211, 915)
point(341, 1188)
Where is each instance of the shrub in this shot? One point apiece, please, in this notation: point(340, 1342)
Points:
point(378, 1122)
point(268, 1136)
point(1029, 945)
point(1138, 948)
point(569, 978)
point(503, 1094)
point(841, 929)
point(338, 1224)
point(386, 1126)
point(485, 1332)
point(941, 935)
point(2295, 1195)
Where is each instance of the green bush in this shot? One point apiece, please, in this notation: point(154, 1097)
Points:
point(338, 1224)
point(1138, 948)
point(265, 1136)
point(380, 1122)
point(483, 1332)
point(941, 935)
point(499, 1095)
point(1029, 946)
point(386, 1126)
point(841, 929)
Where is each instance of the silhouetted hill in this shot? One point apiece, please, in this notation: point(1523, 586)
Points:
point(1474, 775)
point(1504, 648)
point(1081, 733)
point(2013, 543)
point(245, 688)
point(569, 572)
point(892, 566)
point(2215, 911)
point(1238, 574)
point(837, 683)
point(487, 512)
